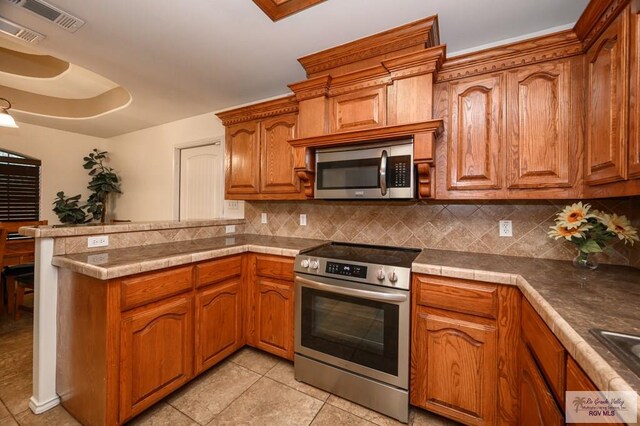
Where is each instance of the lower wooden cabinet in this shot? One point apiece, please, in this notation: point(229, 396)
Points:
point(271, 299)
point(219, 325)
point(156, 353)
point(455, 367)
point(537, 405)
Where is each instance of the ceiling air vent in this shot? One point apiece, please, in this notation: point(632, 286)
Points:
point(51, 14)
point(20, 32)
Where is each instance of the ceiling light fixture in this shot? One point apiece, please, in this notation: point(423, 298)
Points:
point(6, 120)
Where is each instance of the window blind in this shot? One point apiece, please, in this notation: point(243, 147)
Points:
point(19, 189)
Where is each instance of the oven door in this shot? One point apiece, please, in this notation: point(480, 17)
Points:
point(358, 327)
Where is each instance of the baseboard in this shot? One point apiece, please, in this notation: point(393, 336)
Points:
point(41, 407)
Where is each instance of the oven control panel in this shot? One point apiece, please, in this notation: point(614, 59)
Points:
point(357, 271)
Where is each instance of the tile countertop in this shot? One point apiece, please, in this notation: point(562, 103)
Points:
point(133, 260)
point(571, 301)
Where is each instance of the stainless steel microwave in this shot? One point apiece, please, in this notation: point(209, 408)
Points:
point(381, 170)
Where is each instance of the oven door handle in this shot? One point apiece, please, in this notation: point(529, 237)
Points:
point(383, 172)
point(370, 295)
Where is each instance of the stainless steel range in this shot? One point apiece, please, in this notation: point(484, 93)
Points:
point(352, 323)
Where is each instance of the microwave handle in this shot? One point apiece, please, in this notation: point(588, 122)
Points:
point(383, 172)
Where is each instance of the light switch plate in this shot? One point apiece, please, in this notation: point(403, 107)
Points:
point(232, 205)
point(230, 229)
point(98, 241)
point(263, 218)
point(303, 220)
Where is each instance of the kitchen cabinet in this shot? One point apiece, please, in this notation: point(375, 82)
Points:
point(156, 353)
point(271, 301)
point(219, 309)
point(242, 165)
point(634, 116)
point(606, 87)
point(462, 361)
point(537, 406)
point(361, 109)
point(476, 133)
point(259, 162)
point(508, 133)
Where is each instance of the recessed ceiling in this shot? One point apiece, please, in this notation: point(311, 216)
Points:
point(181, 59)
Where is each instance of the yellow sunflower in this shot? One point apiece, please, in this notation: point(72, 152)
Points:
point(620, 226)
point(574, 215)
point(560, 231)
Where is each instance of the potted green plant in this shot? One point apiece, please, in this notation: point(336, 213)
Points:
point(104, 181)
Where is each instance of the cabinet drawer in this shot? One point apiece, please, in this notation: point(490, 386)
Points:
point(218, 270)
point(457, 295)
point(147, 288)
point(545, 348)
point(274, 267)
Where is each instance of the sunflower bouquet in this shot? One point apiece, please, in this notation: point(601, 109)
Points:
point(590, 230)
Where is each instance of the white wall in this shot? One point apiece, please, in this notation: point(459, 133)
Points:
point(145, 161)
point(61, 154)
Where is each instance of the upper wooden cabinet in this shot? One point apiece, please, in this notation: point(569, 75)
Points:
point(539, 111)
point(508, 133)
point(634, 117)
point(259, 160)
point(606, 135)
point(242, 163)
point(476, 133)
point(276, 162)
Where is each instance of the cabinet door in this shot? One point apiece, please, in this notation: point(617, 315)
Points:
point(475, 134)
point(634, 134)
point(539, 143)
point(276, 174)
point(606, 123)
point(454, 368)
point(363, 109)
point(242, 162)
point(156, 354)
point(273, 322)
point(218, 323)
point(537, 406)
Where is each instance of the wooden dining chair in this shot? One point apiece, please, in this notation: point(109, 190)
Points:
point(17, 260)
point(3, 244)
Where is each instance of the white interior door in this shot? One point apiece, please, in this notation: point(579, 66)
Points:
point(201, 182)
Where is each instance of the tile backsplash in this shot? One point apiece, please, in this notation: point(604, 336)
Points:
point(463, 226)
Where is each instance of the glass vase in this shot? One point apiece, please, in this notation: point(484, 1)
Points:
point(585, 260)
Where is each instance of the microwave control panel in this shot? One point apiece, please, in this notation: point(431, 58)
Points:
point(399, 169)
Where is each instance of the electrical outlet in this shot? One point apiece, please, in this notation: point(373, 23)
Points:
point(505, 227)
point(232, 205)
point(230, 229)
point(98, 241)
point(263, 218)
point(303, 220)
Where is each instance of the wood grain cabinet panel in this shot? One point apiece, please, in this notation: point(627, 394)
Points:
point(219, 320)
point(606, 135)
point(538, 118)
point(537, 406)
point(456, 368)
point(276, 172)
point(475, 133)
point(634, 133)
point(274, 316)
point(364, 109)
point(149, 287)
point(242, 162)
point(156, 347)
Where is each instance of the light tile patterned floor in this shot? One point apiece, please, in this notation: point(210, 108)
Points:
point(249, 388)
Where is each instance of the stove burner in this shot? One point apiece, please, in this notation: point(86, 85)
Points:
point(382, 255)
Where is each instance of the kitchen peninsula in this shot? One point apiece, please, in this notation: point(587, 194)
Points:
point(167, 287)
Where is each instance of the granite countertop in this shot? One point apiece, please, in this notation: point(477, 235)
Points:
point(128, 261)
point(570, 300)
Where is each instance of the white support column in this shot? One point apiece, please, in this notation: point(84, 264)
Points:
point(45, 320)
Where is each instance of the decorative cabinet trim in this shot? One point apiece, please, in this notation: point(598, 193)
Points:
point(258, 111)
point(278, 9)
